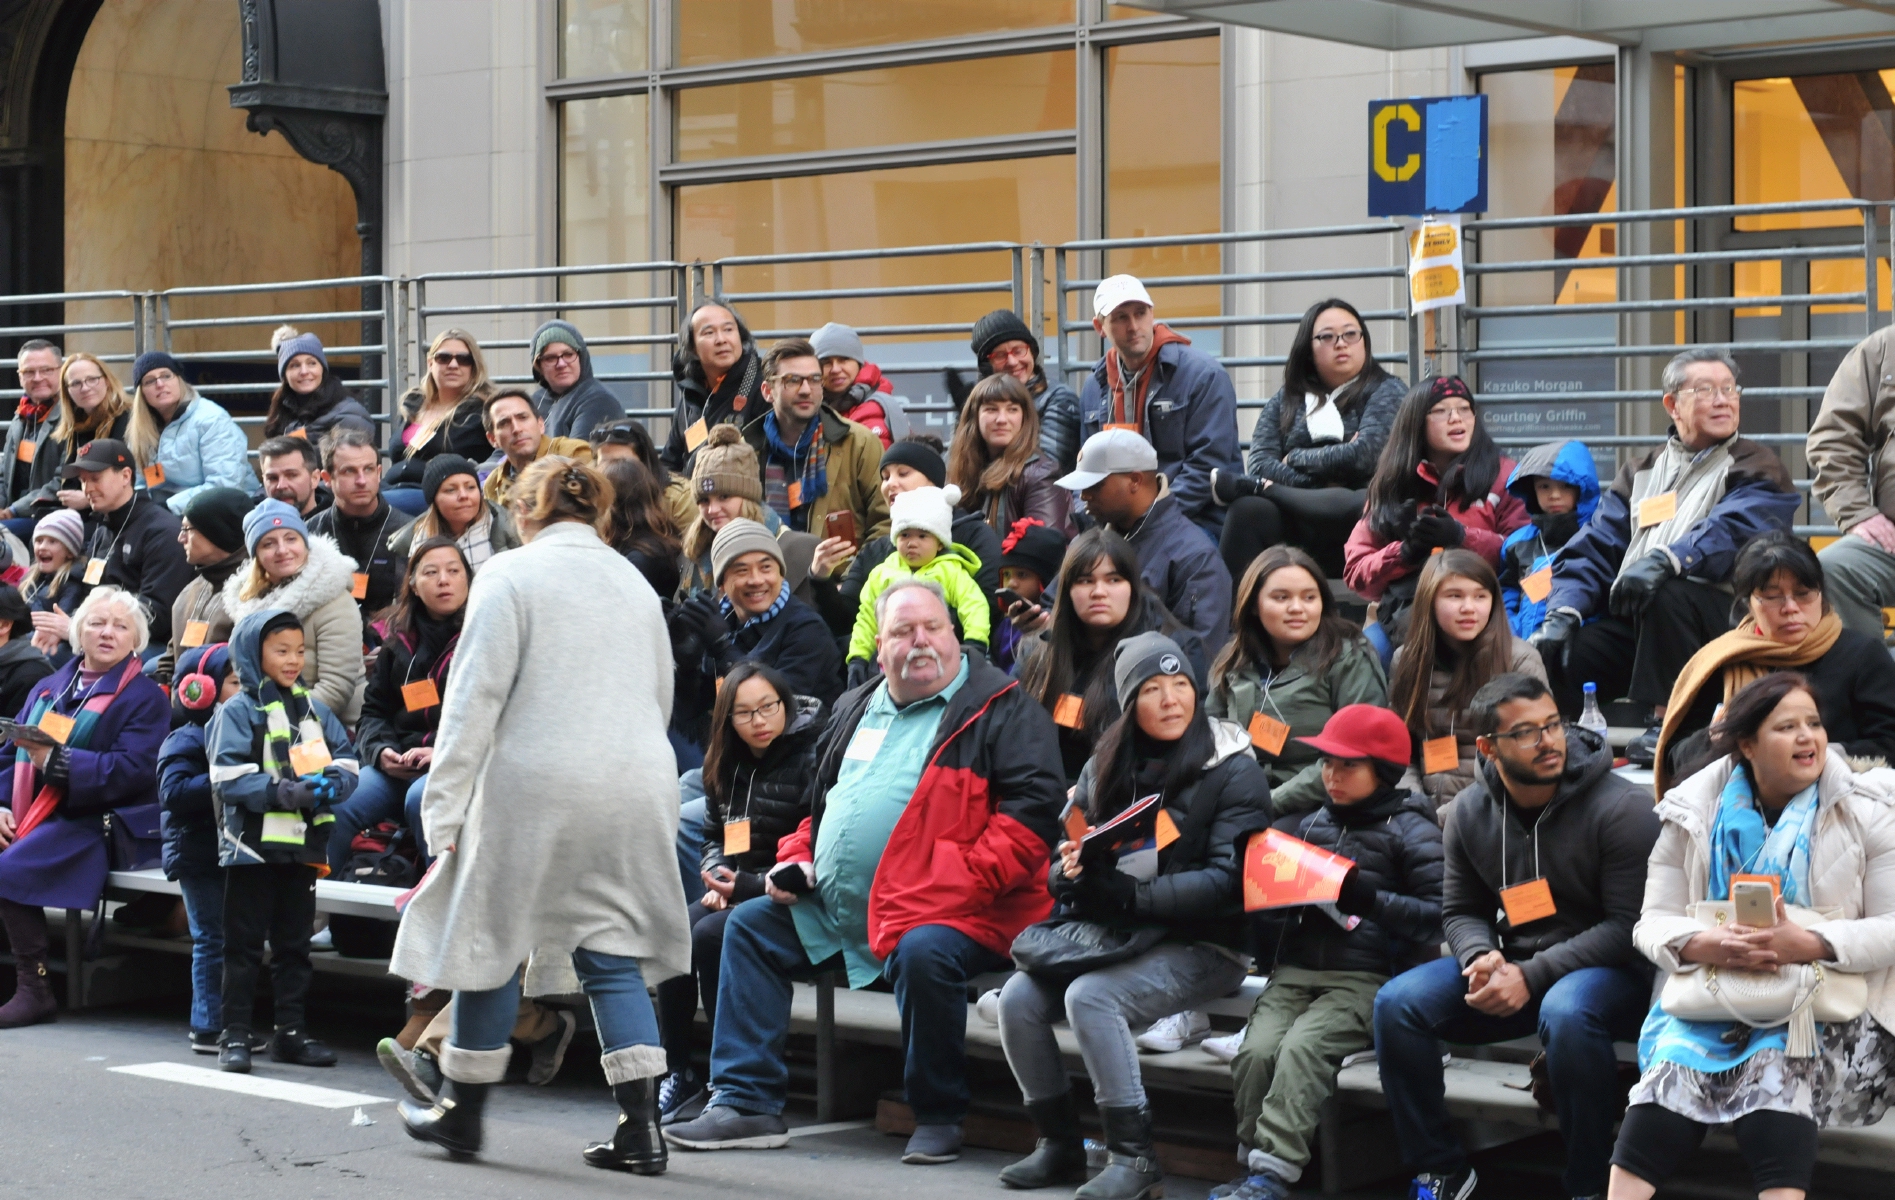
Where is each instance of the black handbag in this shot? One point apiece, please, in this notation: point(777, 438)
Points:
point(135, 841)
point(1067, 947)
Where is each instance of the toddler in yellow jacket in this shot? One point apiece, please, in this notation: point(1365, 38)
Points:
point(922, 525)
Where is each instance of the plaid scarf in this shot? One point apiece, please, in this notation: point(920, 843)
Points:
point(769, 614)
point(811, 452)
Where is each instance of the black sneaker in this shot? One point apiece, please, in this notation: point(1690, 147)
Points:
point(675, 1091)
point(1228, 487)
point(204, 1043)
point(722, 1128)
point(1642, 751)
point(293, 1046)
point(1458, 1186)
point(234, 1055)
point(550, 1051)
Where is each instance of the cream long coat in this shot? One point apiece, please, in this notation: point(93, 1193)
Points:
point(552, 778)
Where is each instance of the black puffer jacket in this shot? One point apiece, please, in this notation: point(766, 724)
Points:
point(386, 723)
point(1293, 458)
point(1396, 845)
point(461, 433)
point(1198, 891)
point(772, 791)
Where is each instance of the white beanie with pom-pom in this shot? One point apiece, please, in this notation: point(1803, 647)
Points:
point(929, 509)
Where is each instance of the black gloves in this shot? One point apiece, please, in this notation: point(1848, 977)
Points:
point(861, 671)
point(1358, 894)
point(1555, 637)
point(1635, 587)
point(294, 795)
point(1433, 529)
point(697, 627)
point(1107, 891)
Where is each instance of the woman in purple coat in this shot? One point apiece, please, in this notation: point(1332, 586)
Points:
point(106, 722)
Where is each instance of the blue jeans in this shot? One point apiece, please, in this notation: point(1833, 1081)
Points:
point(693, 824)
point(621, 1007)
point(204, 911)
point(762, 956)
point(1577, 1021)
point(377, 797)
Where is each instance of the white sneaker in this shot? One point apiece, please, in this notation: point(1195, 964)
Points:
point(988, 1006)
point(1224, 1049)
point(1175, 1032)
point(323, 940)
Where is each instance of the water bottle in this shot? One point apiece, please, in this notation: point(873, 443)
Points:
point(1590, 717)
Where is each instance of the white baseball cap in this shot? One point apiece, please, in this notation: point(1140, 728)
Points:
point(1116, 290)
point(1109, 452)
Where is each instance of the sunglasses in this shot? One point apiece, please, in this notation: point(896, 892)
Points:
point(443, 358)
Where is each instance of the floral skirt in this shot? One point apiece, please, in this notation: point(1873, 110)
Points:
point(1846, 1084)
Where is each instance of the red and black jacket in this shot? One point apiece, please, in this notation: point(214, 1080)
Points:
point(971, 850)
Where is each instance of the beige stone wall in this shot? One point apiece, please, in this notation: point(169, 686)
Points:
point(165, 187)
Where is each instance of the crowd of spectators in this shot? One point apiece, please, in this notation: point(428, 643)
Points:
point(908, 685)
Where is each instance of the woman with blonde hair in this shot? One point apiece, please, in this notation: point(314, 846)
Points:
point(440, 415)
point(92, 405)
point(309, 577)
point(727, 483)
point(183, 443)
point(997, 462)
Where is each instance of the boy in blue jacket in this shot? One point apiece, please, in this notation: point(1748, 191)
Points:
point(1559, 484)
point(279, 761)
point(205, 679)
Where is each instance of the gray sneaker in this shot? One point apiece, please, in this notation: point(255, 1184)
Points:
point(721, 1128)
point(550, 1051)
point(415, 1070)
point(932, 1144)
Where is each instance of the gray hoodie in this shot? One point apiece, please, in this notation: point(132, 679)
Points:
point(580, 409)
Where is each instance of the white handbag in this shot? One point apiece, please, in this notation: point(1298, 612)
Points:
point(1800, 994)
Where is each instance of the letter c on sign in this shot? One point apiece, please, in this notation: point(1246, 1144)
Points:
point(1406, 114)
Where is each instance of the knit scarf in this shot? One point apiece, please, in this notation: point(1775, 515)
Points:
point(1744, 655)
point(33, 803)
point(283, 728)
point(769, 614)
point(27, 408)
point(733, 391)
point(811, 452)
point(1162, 336)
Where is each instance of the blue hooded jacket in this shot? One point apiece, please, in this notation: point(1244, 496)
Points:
point(1534, 545)
point(240, 788)
point(186, 817)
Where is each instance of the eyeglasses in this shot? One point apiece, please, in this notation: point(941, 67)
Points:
point(85, 385)
point(158, 376)
point(762, 712)
point(1012, 352)
point(1533, 736)
point(798, 383)
point(553, 360)
point(442, 359)
point(1445, 413)
point(1775, 599)
point(1346, 337)
point(38, 372)
point(1705, 391)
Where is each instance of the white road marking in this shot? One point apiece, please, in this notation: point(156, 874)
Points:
point(831, 1127)
point(250, 1085)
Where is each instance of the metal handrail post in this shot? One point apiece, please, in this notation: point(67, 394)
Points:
point(1018, 254)
point(1059, 313)
point(1036, 293)
point(393, 373)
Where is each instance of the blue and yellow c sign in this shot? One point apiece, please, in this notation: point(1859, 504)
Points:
point(1378, 156)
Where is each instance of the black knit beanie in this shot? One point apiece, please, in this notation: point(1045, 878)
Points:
point(997, 327)
point(918, 456)
point(443, 467)
point(218, 514)
point(1032, 546)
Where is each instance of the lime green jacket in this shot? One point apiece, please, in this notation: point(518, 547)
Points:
point(954, 570)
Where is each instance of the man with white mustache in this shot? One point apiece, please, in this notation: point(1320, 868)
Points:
point(936, 806)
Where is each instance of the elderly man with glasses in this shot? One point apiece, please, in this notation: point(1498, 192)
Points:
point(1646, 583)
point(814, 461)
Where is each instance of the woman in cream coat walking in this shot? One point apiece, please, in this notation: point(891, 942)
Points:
point(554, 832)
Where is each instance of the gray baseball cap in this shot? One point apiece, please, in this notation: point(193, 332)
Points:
point(1109, 452)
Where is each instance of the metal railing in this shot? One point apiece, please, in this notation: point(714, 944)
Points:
point(1661, 271)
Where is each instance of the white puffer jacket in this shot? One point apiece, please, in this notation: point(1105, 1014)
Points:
point(1852, 868)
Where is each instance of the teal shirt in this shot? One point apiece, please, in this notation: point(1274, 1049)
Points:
point(880, 769)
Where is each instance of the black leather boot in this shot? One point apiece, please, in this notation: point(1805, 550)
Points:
point(637, 1145)
point(1131, 1171)
point(1060, 1156)
point(453, 1122)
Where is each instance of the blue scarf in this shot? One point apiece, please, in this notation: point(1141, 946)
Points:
point(809, 456)
point(1741, 844)
point(769, 614)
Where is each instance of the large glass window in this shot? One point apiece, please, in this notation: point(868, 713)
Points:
point(987, 97)
point(605, 192)
point(1164, 146)
point(602, 37)
point(712, 31)
point(1812, 137)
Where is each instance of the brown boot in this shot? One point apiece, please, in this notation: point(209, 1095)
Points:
point(33, 1000)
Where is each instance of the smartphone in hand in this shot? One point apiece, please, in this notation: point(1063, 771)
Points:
point(841, 524)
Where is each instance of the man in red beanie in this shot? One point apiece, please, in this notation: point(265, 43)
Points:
point(1329, 960)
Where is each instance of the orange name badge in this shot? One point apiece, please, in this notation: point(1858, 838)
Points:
point(695, 435)
point(56, 726)
point(1655, 510)
point(95, 571)
point(196, 633)
point(420, 694)
point(154, 475)
point(1527, 902)
point(1440, 754)
point(1167, 829)
point(358, 585)
point(1068, 711)
point(796, 494)
point(737, 836)
point(1539, 585)
point(301, 431)
point(307, 758)
point(1076, 827)
point(1128, 426)
point(1268, 734)
point(1776, 884)
point(26, 451)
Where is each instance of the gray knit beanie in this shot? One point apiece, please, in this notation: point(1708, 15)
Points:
point(739, 537)
point(836, 340)
point(1137, 659)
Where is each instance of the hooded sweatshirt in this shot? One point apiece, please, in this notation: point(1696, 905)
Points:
point(244, 789)
point(1533, 546)
point(583, 407)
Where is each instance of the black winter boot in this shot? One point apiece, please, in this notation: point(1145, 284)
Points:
point(1132, 1171)
point(33, 1000)
point(453, 1123)
point(1060, 1156)
point(637, 1145)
